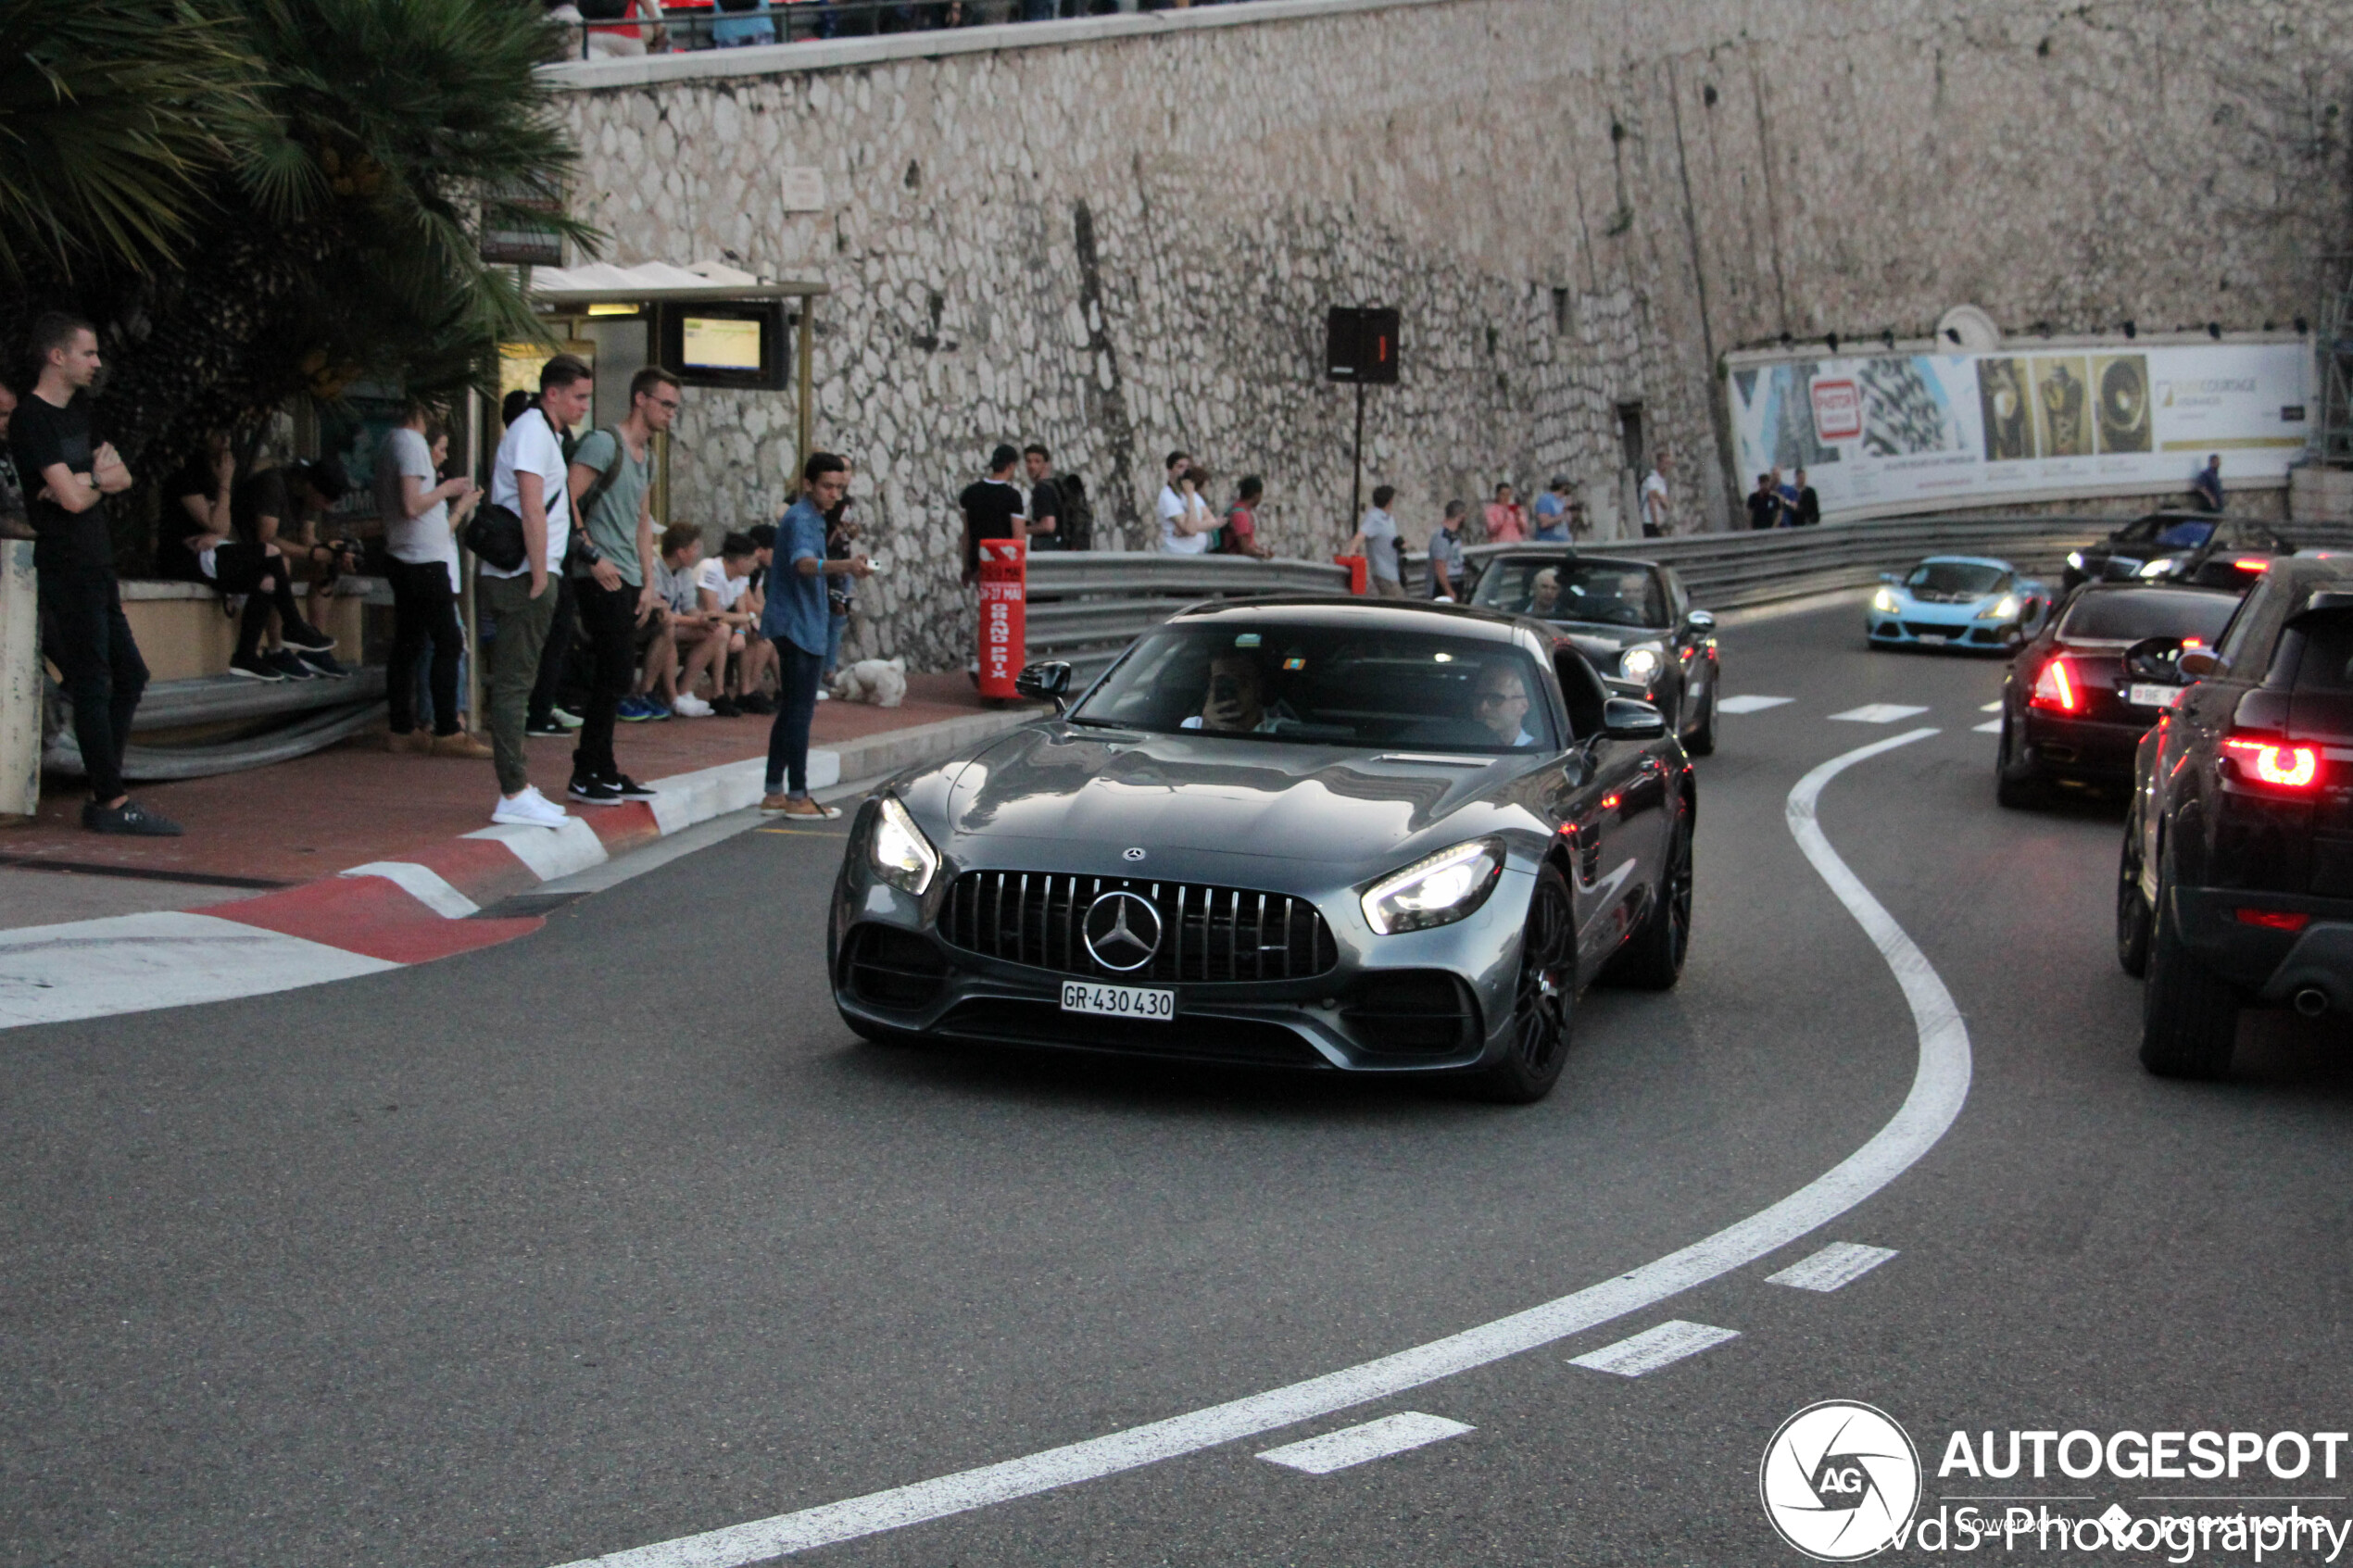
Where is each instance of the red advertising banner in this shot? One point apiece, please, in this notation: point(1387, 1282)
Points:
point(1004, 622)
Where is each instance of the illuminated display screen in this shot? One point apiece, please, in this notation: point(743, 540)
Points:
point(720, 342)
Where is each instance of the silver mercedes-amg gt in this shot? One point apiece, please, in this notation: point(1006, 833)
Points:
point(1307, 831)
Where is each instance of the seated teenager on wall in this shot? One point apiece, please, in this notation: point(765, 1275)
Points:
point(200, 540)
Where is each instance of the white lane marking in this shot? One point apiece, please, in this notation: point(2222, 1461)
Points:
point(1654, 1348)
point(551, 852)
point(167, 958)
point(1993, 707)
point(1842, 1262)
point(1358, 1445)
point(423, 883)
point(1749, 704)
point(1991, 727)
point(1879, 713)
point(1939, 1089)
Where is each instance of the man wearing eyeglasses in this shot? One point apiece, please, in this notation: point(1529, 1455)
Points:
point(611, 485)
point(1501, 705)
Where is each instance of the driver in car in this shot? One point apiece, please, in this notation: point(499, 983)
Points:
point(1544, 592)
point(1500, 704)
point(1236, 700)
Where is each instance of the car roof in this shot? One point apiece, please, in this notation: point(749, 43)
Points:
point(1966, 561)
point(2144, 585)
point(1392, 615)
point(1571, 552)
point(2305, 574)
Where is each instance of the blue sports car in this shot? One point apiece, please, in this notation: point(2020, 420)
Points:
point(1956, 601)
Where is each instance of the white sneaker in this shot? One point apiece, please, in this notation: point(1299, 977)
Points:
point(530, 809)
point(689, 706)
point(824, 696)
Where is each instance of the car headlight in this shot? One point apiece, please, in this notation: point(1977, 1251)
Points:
point(2075, 559)
point(898, 852)
point(1642, 661)
point(2004, 609)
point(1438, 890)
point(2157, 568)
point(1884, 601)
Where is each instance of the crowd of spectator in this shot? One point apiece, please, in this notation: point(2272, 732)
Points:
point(605, 27)
point(1783, 503)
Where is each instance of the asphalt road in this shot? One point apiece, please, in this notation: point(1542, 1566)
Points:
point(614, 1235)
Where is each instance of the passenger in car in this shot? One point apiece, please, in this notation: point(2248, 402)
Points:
point(1544, 592)
point(1236, 700)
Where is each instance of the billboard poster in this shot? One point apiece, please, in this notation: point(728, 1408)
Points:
point(1890, 434)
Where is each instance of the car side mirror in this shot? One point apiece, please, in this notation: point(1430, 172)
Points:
point(1702, 623)
point(1624, 719)
point(2155, 658)
point(1049, 681)
point(2197, 664)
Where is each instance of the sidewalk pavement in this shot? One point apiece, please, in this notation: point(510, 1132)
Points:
point(355, 861)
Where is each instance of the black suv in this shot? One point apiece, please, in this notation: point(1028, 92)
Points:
point(2236, 883)
point(2195, 547)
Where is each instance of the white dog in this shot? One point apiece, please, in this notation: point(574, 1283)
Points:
point(882, 682)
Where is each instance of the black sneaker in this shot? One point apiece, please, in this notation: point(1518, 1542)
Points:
point(307, 639)
point(325, 664)
point(546, 729)
point(287, 662)
point(256, 667)
point(628, 788)
point(725, 708)
point(594, 792)
point(758, 702)
point(129, 818)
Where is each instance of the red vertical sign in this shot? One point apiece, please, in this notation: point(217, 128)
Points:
point(1004, 622)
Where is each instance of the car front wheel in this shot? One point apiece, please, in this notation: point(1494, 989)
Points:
point(1542, 999)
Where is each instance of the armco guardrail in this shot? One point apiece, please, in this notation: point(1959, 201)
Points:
point(1086, 607)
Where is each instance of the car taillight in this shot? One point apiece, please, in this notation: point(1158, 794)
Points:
point(2282, 766)
point(2055, 689)
point(2274, 920)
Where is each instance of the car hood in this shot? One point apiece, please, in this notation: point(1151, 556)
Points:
point(1086, 790)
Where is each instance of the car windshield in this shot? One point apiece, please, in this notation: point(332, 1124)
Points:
point(2186, 534)
point(2126, 615)
point(1958, 578)
point(1327, 685)
point(1607, 592)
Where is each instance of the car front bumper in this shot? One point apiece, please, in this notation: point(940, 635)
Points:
point(1422, 1001)
point(1919, 626)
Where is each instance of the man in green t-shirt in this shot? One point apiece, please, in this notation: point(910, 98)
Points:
point(611, 485)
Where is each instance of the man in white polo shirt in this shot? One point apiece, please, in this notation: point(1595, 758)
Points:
point(529, 479)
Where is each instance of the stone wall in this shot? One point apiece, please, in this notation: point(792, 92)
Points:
point(1120, 235)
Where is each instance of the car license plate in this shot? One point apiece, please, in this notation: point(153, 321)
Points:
point(1937, 636)
point(2149, 695)
point(1118, 1002)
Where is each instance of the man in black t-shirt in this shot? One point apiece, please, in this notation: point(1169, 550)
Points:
point(1045, 500)
point(993, 509)
point(67, 467)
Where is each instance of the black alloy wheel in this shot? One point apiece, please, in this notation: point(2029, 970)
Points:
point(1542, 1000)
point(2016, 784)
point(1652, 957)
point(2133, 921)
point(1701, 741)
point(2189, 1025)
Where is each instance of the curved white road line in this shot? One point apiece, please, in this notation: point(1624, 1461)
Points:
point(1940, 1086)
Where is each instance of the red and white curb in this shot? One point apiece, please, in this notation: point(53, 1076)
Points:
point(366, 919)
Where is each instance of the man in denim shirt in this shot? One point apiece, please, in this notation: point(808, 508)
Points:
point(800, 622)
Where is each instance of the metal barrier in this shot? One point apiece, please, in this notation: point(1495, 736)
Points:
point(1086, 607)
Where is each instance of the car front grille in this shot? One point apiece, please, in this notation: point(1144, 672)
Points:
point(1933, 629)
point(1208, 934)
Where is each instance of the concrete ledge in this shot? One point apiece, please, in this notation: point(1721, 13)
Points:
point(834, 53)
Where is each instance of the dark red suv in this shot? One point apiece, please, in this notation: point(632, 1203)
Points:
point(2236, 883)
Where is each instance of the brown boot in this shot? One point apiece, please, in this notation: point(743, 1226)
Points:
point(415, 741)
point(802, 806)
point(775, 802)
point(459, 744)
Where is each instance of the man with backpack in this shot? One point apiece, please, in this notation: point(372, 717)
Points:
point(1238, 535)
point(612, 569)
point(1059, 516)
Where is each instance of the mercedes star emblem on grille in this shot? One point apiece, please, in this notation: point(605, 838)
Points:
point(1122, 931)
